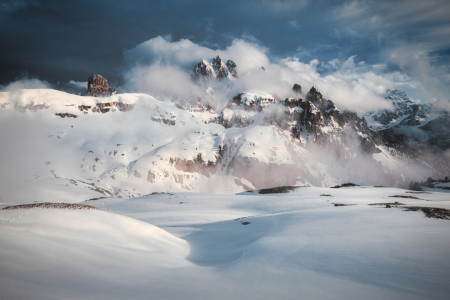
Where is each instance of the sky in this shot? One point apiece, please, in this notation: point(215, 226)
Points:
point(346, 48)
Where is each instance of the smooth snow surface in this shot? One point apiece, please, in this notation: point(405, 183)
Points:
point(296, 245)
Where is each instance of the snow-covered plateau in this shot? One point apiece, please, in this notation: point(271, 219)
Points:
point(309, 243)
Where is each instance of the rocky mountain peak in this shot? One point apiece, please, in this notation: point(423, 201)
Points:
point(214, 70)
point(297, 88)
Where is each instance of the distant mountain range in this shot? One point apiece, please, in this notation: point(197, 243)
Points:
point(412, 122)
point(129, 145)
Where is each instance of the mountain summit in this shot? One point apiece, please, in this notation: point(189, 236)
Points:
point(214, 70)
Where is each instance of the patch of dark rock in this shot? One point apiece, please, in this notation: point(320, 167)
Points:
point(405, 196)
point(97, 198)
point(278, 190)
point(431, 212)
point(389, 203)
point(326, 195)
point(379, 186)
point(245, 223)
point(52, 205)
point(63, 115)
point(341, 204)
point(344, 185)
point(98, 87)
point(158, 193)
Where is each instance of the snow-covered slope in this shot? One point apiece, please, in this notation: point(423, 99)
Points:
point(57, 145)
point(252, 246)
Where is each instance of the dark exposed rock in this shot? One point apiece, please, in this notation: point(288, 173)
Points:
point(232, 68)
point(207, 168)
point(344, 185)
point(63, 115)
point(98, 86)
point(278, 190)
point(390, 204)
point(297, 88)
point(405, 196)
point(84, 107)
point(431, 212)
point(216, 70)
point(52, 205)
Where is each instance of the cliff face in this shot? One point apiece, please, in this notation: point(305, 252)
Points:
point(98, 86)
point(314, 120)
point(214, 70)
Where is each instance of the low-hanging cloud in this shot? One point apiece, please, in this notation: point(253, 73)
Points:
point(26, 83)
point(163, 68)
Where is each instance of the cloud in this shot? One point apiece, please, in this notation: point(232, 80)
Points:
point(163, 69)
point(282, 5)
point(12, 5)
point(26, 83)
point(78, 84)
point(294, 24)
point(349, 63)
point(426, 21)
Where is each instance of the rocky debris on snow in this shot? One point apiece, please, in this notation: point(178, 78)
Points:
point(98, 86)
point(391, 204)
point(406, 197)
point(52, 205)
point(344, 185)
point(278, 190)
point(431, 212)
point(245, 223)
point(443, 184)
point(63, 115)
point(341, 204)
point(84, 107)
point(326, 195)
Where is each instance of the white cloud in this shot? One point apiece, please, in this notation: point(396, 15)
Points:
point(26, 83)
point(349, 63)
point(78, 84)
point(162, 69)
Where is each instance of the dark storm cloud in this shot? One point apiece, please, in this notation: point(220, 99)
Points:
point(59, 41)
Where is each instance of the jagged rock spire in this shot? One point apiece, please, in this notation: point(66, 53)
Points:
point(98, 86)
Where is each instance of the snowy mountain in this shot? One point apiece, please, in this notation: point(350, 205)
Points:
point(214, 70)
point(407, 112)
point(129, 145)
point(411, 121)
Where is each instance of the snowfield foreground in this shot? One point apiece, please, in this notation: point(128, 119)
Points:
point(295, 245)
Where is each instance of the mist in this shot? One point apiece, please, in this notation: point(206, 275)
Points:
point(163, 68)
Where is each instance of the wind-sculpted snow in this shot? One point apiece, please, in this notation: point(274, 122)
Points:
point(251, 245)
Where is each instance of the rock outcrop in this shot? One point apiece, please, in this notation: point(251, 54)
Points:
point(98, 86)
point(214, 70)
